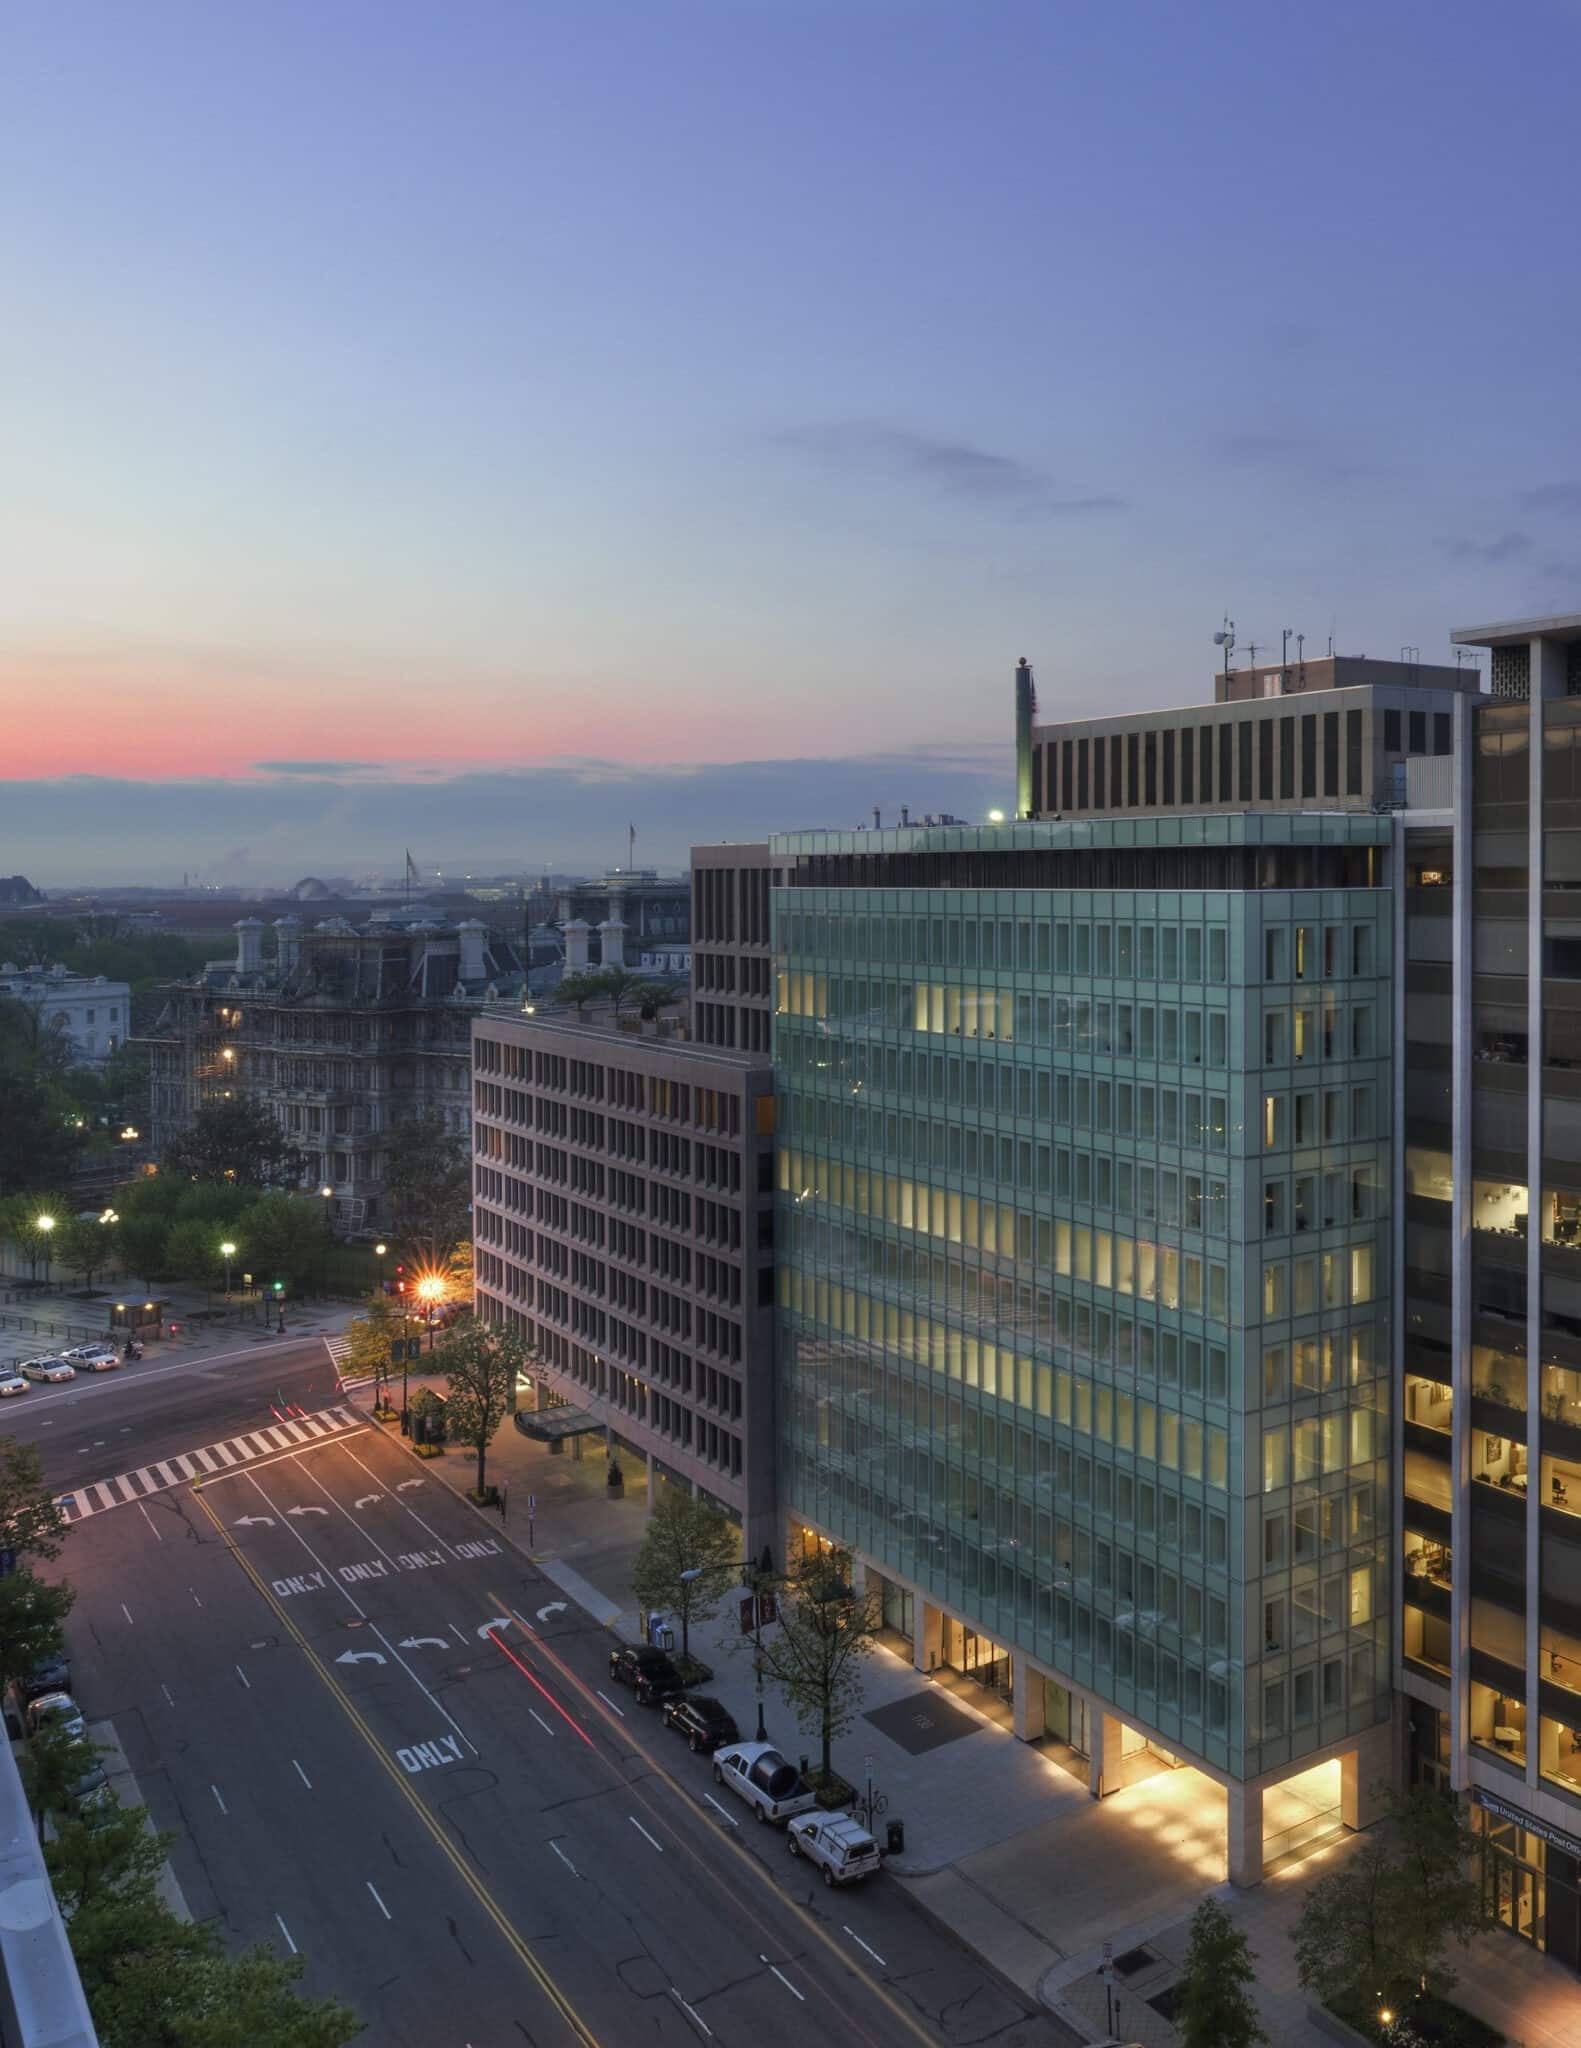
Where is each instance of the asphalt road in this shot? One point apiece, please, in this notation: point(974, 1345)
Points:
point(389, 1744)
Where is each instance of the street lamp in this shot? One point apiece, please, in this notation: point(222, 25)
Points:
point(996, 817)
point(46, 1224)
point(227, 1253)
point(752, 1576)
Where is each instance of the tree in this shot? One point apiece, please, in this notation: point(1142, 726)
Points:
point(192, 1252)
point(1436, 1901)
point(52, 1764)
point(84, 1245)
point(480, 1361)
point(27, 1214)
point(32, 1614)
point(1344, 1941)
point(368, 1337)
point(825, 1635)
point(140, 1240)
point(1216, 2008)
point(428, 1183)
point(282, 1238)
point(616, 986)
point(39, 1141)
point(31, 1524)
point(209, 2000)
point(235, 1139)
point(689, 1555)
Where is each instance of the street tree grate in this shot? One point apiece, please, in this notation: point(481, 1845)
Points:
point(1133, 1960)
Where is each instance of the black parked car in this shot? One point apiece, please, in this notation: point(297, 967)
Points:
point(704, 1722)
point(649, 1673)
point(53, 1675)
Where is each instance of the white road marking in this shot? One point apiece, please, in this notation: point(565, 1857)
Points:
point(350, 1517)
point(604, 1696)
point(218, 1801)
point(789, 1986)
point(99, 1495)
point(306, 1780)
point(290, 1944)
point(494, 1622)
point(423, 1689)
point(146, 1479)
point(126, 1611)
point(542, 1723)
point(169, 1477)
point(565, 1859)
point(873, 1952)
point(690, 2014)
point(148, 1518)
point(128, 1490)
point(641, 1830)
point(554, 1607)
point(460, 1638)
point(169, 1698)
point(204, 1460)
point(196, 1601)
point(383, 1908)
point(714, 1803)
point(244, 1678)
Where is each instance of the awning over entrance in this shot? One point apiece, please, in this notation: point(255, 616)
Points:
point(555, 1425)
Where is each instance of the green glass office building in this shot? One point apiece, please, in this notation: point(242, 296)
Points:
point(1083, 1225)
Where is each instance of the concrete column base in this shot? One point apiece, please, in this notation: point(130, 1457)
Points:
point(1027, 1703)
point(1103, 1754)
point(1244, 1826)
point(927, 1635)
point(1366, 1773)
point(858, 1575)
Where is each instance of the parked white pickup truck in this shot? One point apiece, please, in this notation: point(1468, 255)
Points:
point(840, 1846)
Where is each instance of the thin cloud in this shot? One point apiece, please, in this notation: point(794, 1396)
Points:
point(1504, 547)
point(315, 767)
point(1296, 454)
point(1552, 498)
point(944, 468)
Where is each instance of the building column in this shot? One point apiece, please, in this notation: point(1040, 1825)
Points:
point(652, 1482)
point(1366, 1773)
point(1027, 1702)
point(1103, 1752)
point(927, 1635)
point(858, 1575)
point(1245, 1832)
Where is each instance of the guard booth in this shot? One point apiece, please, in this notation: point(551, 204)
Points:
point(137, 1319)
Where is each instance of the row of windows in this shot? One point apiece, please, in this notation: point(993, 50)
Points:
point(1264, 760)
point(1103, 946)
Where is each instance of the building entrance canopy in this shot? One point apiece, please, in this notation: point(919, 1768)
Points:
point(554, 1425)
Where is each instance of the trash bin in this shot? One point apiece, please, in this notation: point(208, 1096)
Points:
point(896, 1844)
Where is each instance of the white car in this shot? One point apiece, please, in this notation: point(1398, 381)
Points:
point(96, 1357)
point(759, 1774)
point(59, 1710)
point(840, 1846)
point(51, 1369)
point(11, 1382)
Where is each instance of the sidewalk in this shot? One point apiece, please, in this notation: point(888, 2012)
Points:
point(41, 1319)
point(1004, 1846)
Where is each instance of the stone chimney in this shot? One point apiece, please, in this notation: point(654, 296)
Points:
point(575, 932)
point(474, 935)
point(249, 945)
point(612, 942)
point(288, 937)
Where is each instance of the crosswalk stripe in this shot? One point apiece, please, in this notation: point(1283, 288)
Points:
point(106, 1498)
point(170, 1478)
point(98, 1494)
point(285, 1442)
point(225, 1454)
point(128, 1490)
point(184, 1466)
point(145, 1479)
point(255, 1446)
point(311, 1425)
point(204, 1460)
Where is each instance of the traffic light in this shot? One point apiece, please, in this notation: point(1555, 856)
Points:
point(400, 1279)
point(279, 1287)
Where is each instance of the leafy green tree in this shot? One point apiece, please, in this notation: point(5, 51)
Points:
point(235, 1139)
point(1216, 2008)
point(85, 1246)
point(1344, 1940)
point(283, 1238)
point(140, 1242)
point(689, 1556)
point(27, 1214)
point(53, 1763)
point(194, 1997)
point(93, 1867)
point(368, 1337)
point(32, 1615)
point(616, 986)
point(428, 1185)
point(192, 1253)
point(825, 1635)
point(30, 1522)
point(39, 1140)
point(480, 1361)
point(1437, 1902)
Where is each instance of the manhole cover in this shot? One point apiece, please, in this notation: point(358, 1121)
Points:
point(1133, 1960)
point(922, 1720)
point(1165, 2002)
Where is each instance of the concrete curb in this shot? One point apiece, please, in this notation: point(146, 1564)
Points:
point(1028, 2001)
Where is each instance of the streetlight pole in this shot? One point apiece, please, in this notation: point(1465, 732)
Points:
point(752, 1575)
point(227, 1253)
point(46, 1224)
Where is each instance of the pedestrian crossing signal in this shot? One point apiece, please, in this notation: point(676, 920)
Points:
point(279, 1287)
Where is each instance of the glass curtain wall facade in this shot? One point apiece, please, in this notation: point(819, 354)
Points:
point(1083, 1226)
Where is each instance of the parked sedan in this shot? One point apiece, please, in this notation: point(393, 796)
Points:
point(58, 1709)
point(51, 1369)
point(704, 1722)
point(96, 1357)
point(648, 1672)
point(11, 1382)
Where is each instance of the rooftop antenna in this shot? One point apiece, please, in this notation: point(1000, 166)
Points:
point(1331, 639)
point(1251, 654)
point(1301, 659)
point(1286, 634)
point(1225, 638)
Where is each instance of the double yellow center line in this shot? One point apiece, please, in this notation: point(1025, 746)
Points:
point(580, 2031)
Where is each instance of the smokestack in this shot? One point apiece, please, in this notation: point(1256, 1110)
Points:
point(288, 941)
point(878, 823)
point(576, 933)
point(1026, 711)
point(472, 932)
point(612, 942)
point(905, 815)
point(249, 945)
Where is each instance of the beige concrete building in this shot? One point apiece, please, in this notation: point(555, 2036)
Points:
point(623, 1220)
point(732, 956)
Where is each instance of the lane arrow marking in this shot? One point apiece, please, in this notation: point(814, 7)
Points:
point(424, 1643)
point(554, 1607)
point(401, 1485)
point(359, 1657)
point(307, 1511)
point(488, 1628)
point(367, 1500)
point(254, 1522)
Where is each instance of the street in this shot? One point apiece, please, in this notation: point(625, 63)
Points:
point(391, 1745)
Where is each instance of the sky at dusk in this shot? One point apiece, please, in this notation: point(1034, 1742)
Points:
point(421, 423)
